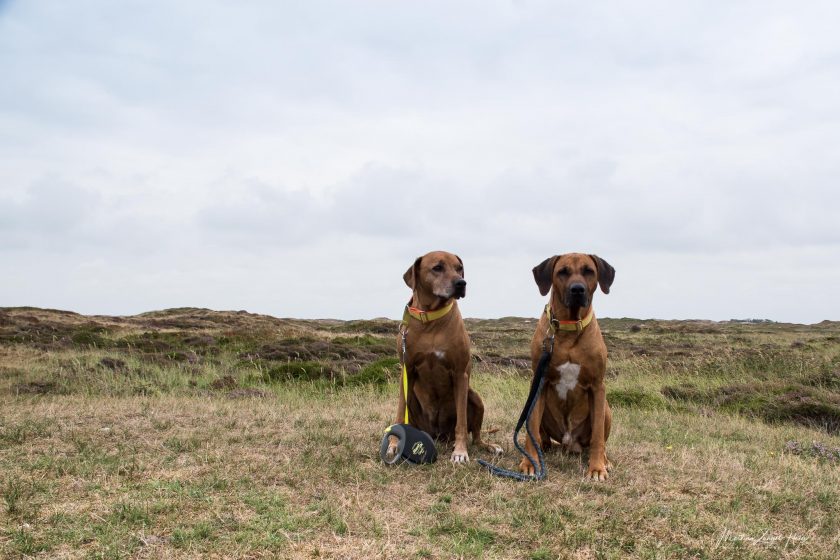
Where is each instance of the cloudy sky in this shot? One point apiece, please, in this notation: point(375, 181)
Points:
point(294, 158)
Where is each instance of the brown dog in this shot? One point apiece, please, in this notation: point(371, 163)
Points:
point(437, 356)
point(572, 407)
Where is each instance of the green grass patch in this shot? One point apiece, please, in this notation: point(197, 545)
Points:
point(771, 401)
point(91, 336)
point(380, 372)
point(296, 371)
point(635, 398)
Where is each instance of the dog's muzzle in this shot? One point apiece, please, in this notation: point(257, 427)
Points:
point(576, 295)
point(459, 288)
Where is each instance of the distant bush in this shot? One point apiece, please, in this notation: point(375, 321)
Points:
point(770, 401)
point(635, 398)
point(296, 371)
point(379, 372)
point(90, 337)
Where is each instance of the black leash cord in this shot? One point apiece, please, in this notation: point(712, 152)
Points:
point(539, 465)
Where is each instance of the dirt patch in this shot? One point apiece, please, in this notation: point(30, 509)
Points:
point(35, 388)
point(200, 341)
point(682, 392)
point(224, 383)
point(114, 364)
point(826, 379)
point(507, 361)
point(817, 450)
point(39, 336)
point(770, 401)
point(347, 354)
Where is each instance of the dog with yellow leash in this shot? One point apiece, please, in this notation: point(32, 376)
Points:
point(434, 349)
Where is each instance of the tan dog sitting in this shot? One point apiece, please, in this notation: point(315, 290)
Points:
point(572, 408)
point(437, 356)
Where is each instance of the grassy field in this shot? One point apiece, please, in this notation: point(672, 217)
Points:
point(190, 433)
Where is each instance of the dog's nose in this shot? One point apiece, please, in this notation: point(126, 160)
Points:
point(577, 289)
point(460, 283)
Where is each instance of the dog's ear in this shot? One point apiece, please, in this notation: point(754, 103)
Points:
point(410, 276)
point(543, 274)
point(606, 273)
point(462, 264)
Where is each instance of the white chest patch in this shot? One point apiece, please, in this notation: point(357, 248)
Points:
point(568, 378)
point(440, 354)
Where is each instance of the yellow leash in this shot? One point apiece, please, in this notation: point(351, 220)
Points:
point(424, 317)
point(405, 390)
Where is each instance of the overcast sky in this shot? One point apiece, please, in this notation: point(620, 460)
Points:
point(294, 158)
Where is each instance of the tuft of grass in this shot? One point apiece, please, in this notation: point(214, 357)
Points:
point(130, 514)
point(22, 498)
point(18, 433)
point(366, 340)
point(380, 372)
point(772, 401)
point(13, 494)
point(179, 445)
point(187, 537)
point(90, 336)
point(296, 371)
point(635, 398)
point(23, 542)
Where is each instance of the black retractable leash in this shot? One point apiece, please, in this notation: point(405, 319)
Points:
point(415, 446)
point(536, 387)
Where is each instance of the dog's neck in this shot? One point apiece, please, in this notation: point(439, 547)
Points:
point(428, 302)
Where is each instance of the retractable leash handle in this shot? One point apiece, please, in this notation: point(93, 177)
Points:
point(414, 446)
point(539, 464)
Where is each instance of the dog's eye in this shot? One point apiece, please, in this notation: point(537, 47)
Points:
point(587, 271)
point(459, 269)
point(438, 268)
point(563, 271)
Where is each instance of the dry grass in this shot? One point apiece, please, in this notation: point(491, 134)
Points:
point(110, 450)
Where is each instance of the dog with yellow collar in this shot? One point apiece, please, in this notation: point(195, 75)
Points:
point(572, 407)
point(434, 349)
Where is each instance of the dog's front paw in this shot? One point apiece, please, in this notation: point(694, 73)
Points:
point(460, 455)
point(526, 467)
point(393, 449)
point(597, 472)
point(494, 449)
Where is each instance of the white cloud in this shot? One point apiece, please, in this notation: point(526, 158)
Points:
point(228, 154)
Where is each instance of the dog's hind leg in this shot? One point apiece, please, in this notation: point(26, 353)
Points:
point(475, 418)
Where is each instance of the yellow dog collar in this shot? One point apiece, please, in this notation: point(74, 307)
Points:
point(426, 316)
point(557, 325)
